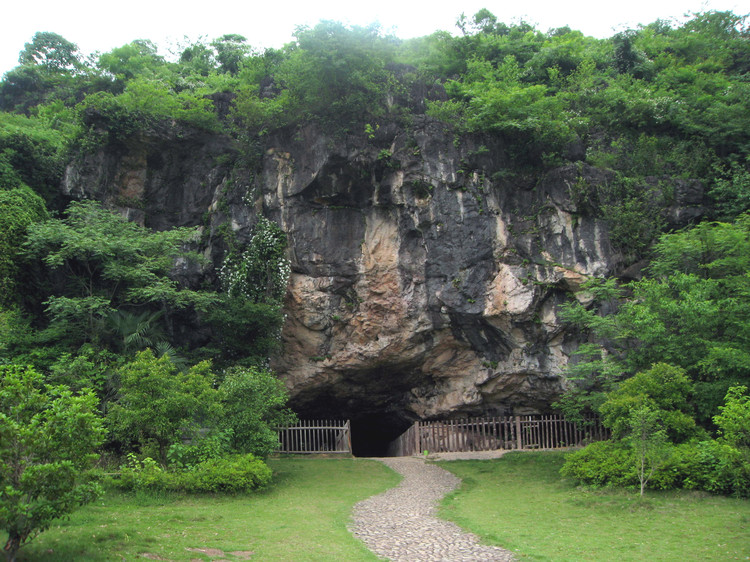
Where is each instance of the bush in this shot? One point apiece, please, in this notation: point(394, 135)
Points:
point(254, 403)
point(48, 437)
point(141, 475)
point(200, 449)
point(711, 466)
point(605, 463)
point(232, 474)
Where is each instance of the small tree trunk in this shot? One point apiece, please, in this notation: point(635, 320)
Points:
point(11, 547)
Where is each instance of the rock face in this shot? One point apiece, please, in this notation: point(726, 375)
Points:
point(424, 286)
point(427, 273)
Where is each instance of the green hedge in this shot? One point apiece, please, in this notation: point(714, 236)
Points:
point(232, 474)
point(711, 466)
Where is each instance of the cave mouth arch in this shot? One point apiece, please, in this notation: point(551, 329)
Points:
point(371, 434)
point(374, 425)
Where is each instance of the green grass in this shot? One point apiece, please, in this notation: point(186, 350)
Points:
point(520, 503)
point(517, 502)
point(303, 516)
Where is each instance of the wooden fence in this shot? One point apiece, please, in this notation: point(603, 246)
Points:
point(316, 436)
point(489, 434)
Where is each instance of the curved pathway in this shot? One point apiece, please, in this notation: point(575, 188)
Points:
point(400, 524)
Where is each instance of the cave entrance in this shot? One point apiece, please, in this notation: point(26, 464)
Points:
point(372, 434)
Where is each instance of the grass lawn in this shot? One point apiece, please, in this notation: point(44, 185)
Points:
point(519, 502)
point(302, 516)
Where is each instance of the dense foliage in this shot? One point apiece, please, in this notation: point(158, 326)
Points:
point(677, 345)
point(48, 435)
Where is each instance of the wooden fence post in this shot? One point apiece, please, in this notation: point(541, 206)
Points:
point(519, 440)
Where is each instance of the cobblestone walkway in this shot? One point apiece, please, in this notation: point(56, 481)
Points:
point(401, 524)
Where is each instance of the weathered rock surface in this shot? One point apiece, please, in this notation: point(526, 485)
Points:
point(427, 272)
point(422, 285)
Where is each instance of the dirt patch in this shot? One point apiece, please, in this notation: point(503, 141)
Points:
point(475, 455)
point(207, 551)
point(218, 553)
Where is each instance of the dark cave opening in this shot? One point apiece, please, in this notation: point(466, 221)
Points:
point(371, 434)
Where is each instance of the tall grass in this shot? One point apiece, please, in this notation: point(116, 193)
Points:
point(303, 516)
point(520, 503)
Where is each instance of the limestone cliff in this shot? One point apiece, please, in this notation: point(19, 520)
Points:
point(427, 271)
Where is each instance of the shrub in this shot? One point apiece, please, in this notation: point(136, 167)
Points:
point(711, 466)
point(141, 475)
point(663, 389)
point(254, 403)
point(48, 437)
point(202, 448)
point(734, 420)
point(602, 464)
point(714, 467)
point(232, 474)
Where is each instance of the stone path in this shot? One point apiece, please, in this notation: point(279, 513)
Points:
point(401, 524)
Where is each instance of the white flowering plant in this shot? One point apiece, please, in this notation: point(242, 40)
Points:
point(260, 272)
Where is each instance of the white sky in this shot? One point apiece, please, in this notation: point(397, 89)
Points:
point(102, 26)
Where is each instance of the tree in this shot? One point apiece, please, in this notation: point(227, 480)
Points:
point(734, 420)
point(138, 58)
point(337, 74)
point(47, 438)
point(260, 271)
point(247, 318)
point(244, 332)
point(51, 51)
point(691, 312)
point(663, 390)
point(254, 403)
point(649, 441)
point(231, 50)
point(19, 208)
point(158, 405)
point(109, 263)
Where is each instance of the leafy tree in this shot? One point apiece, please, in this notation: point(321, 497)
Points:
point(254, 403)
point(50, 50)
point(19, 208)
point(661, 393)
point(47, 438)
point(692, 313)
point(109, 263)
point(734, 420)
point(247, 319)
point(260, 271)
point(32, 154)
point(160, 405)
point(231, 50)
point(138, 58)
point(198, 58)
point(732, 191)
point(244, 332)
point(337, 73)
point(649, 442)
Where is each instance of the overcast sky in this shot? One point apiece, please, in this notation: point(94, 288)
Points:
point(102, 26)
